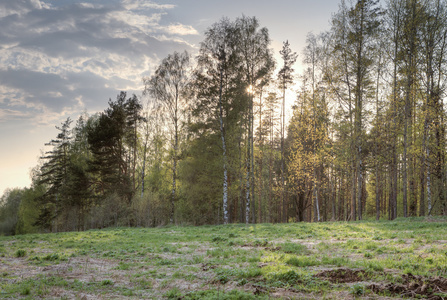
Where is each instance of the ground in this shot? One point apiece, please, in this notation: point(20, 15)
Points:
point(406, 258)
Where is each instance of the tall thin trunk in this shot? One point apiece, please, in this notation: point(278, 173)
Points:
point(377, 142)
point(283, 113)
point(315, 196)
point(252, 167)
point(353, 189)
point(358, 116)
point(261, 145)
point(429, 202)
point(248, 164)
point(352, 150)
point(333, 181)
point(315, 173)
point(174, 168)
point(270, 190)
point(422, 175)
point(247, 183)
point(135, 136)
point(143, 169)
point(241, 179)
point(224, 154)
point(340, 196)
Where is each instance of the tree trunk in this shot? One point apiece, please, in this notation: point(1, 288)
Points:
point(224, 154)
point(261, 158)
point(283, 113)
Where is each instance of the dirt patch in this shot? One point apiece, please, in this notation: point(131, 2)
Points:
point(415, 286)
point(343, 275)
point(207, 267)
point(273, 249)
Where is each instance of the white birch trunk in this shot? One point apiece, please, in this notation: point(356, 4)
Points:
point(224, 148)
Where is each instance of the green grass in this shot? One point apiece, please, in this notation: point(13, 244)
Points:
point(220, 262)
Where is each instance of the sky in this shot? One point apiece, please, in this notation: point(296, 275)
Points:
point(60, 58)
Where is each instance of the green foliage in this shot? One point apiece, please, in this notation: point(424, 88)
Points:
point(54, 175)
point(302, 261)
point(51, 257)
point(28, 214)
point(290, 277)
point(106, 282)
point(218, 239)
point(357, 290)
point(20, 253)
point(108, 139)
point(293, 248)
point(173, 293)
point(9, 210)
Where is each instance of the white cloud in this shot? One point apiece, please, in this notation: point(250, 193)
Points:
point(87, 5)
point(36, 4)
point(60, 59)
point(135, 22)
point(143, 4)
point(20, 7)
point(180, 29)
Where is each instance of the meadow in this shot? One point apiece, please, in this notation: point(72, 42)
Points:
point(404, 258)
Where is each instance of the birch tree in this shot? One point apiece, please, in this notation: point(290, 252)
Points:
point(167, 88)
point(216, 56)
point(256, 65)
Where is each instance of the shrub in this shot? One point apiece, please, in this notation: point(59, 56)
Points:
point(20, 253)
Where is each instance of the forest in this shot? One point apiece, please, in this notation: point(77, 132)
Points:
point(211, 140)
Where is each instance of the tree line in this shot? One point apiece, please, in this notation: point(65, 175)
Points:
point(211, 145)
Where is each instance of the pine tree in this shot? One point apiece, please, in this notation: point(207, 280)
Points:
point(54, 176)
point(285, 78)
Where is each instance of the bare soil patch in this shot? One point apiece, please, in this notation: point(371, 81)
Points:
point(415, 287)
point(343, 275)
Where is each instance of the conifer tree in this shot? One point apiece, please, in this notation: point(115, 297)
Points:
point(285, 79)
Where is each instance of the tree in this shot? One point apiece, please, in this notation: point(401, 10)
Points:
point(394, 19)
point(433, 28)
point(166, 87)
point(28, 214)
point(355, 30)
point(9, 210)
point(54, 175)
point(234, 55)
point(217, 109)
point(107, 139)
point(285, 78)
point(256, 64)
point(310, 58)
point(216, 55)
point(133, 109)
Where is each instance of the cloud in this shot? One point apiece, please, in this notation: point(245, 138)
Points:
point(8, 7)
point(58, 58)
point(10, 114)
point(181, 29)
point(143, 4)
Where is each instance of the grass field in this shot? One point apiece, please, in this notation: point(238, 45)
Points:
point(406, 258)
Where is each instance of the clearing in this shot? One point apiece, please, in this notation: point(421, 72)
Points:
point(405, 258)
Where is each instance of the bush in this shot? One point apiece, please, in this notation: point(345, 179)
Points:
point(20, 253)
